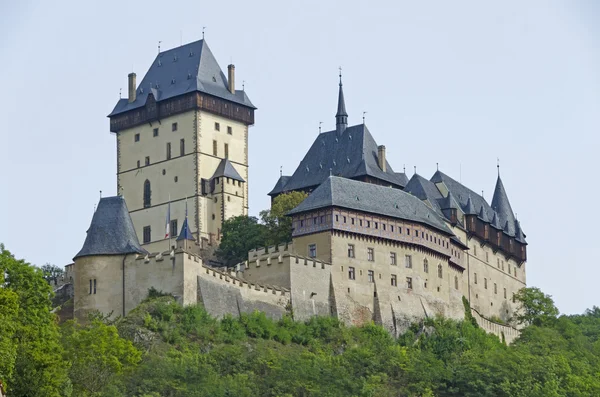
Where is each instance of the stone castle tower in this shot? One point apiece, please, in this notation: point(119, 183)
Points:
point(182, 138)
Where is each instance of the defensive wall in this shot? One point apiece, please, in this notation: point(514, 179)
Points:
point(509, 333)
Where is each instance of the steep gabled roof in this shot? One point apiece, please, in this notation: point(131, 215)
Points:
point(352, 154)
point(181, 70)
point(111, 231)
point(280, 185)
point(374, 199)
point(425, 190)
point(225, 169)
point(501, 205)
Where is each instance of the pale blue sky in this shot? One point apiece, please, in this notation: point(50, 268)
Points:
point(455, 82)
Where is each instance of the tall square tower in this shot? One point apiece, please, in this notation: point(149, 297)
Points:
point(182, 138)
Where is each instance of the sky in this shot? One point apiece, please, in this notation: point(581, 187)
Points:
point(460, 84)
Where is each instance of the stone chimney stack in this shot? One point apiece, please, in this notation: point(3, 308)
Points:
point(132, 87)
point(381, 157)
point(231, 78)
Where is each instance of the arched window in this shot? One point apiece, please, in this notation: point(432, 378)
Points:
point(455, 282)
point(440, 274)
point(147, 194)
point(425, 265)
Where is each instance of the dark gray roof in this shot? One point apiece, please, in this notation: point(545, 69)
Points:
point(448, 202)
point(520, 236)
point(502, 206)
point(185, 234)
point(375, 199)
point(280, 185)
point(111, 231)
point(341, 110)
point(402, 177)
point(496, 222)
point(469, 208)
point(181, 70)
point(425, 190)
point(225, 169)
point(483, 215)
point(352, 154)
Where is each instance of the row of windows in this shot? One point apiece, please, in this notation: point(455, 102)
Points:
point(155, 132)
point(393, 278)
point(216, 150)
point(218, 128)
point(432, 238)
point(485, 286)
point(393, 259)
point(229, 180)
point(169, 153)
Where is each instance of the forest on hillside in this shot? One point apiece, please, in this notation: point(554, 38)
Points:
point(164, 349)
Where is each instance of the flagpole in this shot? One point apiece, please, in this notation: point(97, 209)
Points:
point(185, 242)
point(170, 231)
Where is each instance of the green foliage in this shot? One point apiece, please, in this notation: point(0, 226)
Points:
point(51, 272)
point(97, 355)
point(38, 368)
point(535, 307)
point(278, 225)
point(240, 235)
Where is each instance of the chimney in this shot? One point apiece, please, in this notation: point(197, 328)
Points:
point(132, 87)
point(231, 78)
point(381, 157)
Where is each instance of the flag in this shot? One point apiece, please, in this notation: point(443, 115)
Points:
point(168, 223)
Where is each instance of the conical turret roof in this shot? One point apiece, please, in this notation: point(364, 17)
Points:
point(501, 205)
point(469, 208)
point(483, 215)
point(496, 221)
point(185, 234)
point(111, 231)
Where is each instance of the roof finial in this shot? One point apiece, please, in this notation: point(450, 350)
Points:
point(159, 46)
point(243, 84)
point(100, 193)
point(364, 117)
point(340, 76)
point(404, 168)
point(320, 122)
point(482, 194)
point(94, 208)
point(281, 170)
point(498, 165)
point(415, 169)
point(203, 27)
point(437, 166)
point(341, 117)
point(120, 92)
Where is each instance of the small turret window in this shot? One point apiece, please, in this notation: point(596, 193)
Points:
point(147, 194)
point(440, 271)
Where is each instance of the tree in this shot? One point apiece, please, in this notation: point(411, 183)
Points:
point(52, 272)
point(97, 355)
point(279, 225)
point(240, 235)
point(535, 307)
point(9, 306)
point(38, 366)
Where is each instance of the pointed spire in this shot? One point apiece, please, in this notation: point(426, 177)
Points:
point(449, 202)
point(506, 228)
point(483, 214)
point(185, 234)
point(341, 117)
point(501, 205)
point(469, 208)
point(519, 235)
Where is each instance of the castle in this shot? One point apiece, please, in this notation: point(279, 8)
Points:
point(368, 243)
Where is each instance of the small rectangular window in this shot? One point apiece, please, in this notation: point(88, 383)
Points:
point(370, 254)
point(147, 160)
point(394, 280)
point(181, 147)
point(94, 286)
point(409, 284)
point(312, 250)
point(392, 228)
point(344, 219)
point(155, 132)
point(173, 226)
point(504, 293)
point(475, 278)
point(147, 234)
point(315, 220)
point(393, 258)
point(352, 221)
point(371, 276)
point(90, 286)
point(368, 223)
point(168, 150)
point(215, 149)
point(474, 250)
point(174, 127)
point(360, 222)
point(383, 225)
point(351, 273)
point(138, 163)
point(495, 288)
point(136, 138)
point(337, 218)
point(350, 250)
point(487, 256)
point(407, 231)
point(217, 127)
point(229, 130)
point(408, 261)
point(301, 223)
point(322, 219)
point(376, 225)
point(485, 283)
point(226, 151)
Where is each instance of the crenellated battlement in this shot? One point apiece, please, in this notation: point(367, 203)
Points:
point(241, 283)
point(166, 255)
point(281, 248)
